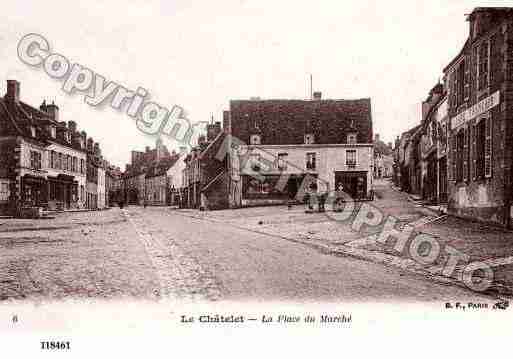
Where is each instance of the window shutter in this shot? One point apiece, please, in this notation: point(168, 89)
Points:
point(466, 89)
point(488, 148)
point(465, 154)
point(474, 151)
point(453, 156)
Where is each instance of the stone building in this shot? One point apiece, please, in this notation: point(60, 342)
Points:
point(164, 180)
point(433, 146)
point(113, 183)
point(204, 177)
point(154, 176)
point(274, 151)
point(479, 84)
point(43, 160)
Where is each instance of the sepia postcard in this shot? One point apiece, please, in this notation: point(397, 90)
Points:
point(248, 178)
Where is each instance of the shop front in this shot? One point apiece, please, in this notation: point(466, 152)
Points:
point(62, 192)
point(354, 183)
point(276, 188)
point(33, 191)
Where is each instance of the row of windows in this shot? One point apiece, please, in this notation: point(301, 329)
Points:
point(309, 139)
point(311, 160)
point(472, 151)
point(478, 66)
point(67, 162)
point(59, 161)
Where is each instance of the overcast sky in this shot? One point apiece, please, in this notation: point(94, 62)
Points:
point(202, 54)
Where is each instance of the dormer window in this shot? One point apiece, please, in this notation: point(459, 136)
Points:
point(309, 139)
point(254, 140)
point(33, 131)
point(53, 132)
point(351, 138)
point(67, 136)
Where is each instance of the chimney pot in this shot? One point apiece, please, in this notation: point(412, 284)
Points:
point(13, 90)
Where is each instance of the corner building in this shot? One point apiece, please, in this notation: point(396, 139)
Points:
point(479, 84)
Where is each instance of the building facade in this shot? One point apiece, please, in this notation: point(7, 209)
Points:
point(153, 177)
point(43, 160)
point(283, 149)
point(480, 105)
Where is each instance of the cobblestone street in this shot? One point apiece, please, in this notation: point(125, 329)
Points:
point(248, 254)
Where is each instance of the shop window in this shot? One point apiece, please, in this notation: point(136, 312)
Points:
point(4, 191)
point(255, 162)
point(282, 161)
point(310, 161)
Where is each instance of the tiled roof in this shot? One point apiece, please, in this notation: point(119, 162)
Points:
point(287, 121)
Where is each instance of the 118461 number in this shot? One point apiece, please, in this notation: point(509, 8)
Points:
point(55, 345)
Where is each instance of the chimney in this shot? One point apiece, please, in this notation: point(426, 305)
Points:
point(317, 95)
point(213, 130)
point(72, 125)
point(90, 143)
point(13, 90)
point(53, 111)
point(147, 149)
point(227, 124)
point(160, 149)
point(96, 149)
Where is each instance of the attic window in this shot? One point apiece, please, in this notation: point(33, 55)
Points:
point(255, 140)
point(67, 136)
point(351, 138)
point(53, 132)
point(32, 131)
point(309, 139)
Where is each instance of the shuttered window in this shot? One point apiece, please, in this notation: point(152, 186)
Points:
point(466, 89)
point(460, 148)
point(474, 128)
point(464, 155)
point(488, 148)
point(454, 157)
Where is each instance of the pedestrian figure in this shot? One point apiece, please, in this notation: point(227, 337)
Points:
point(321, 201)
